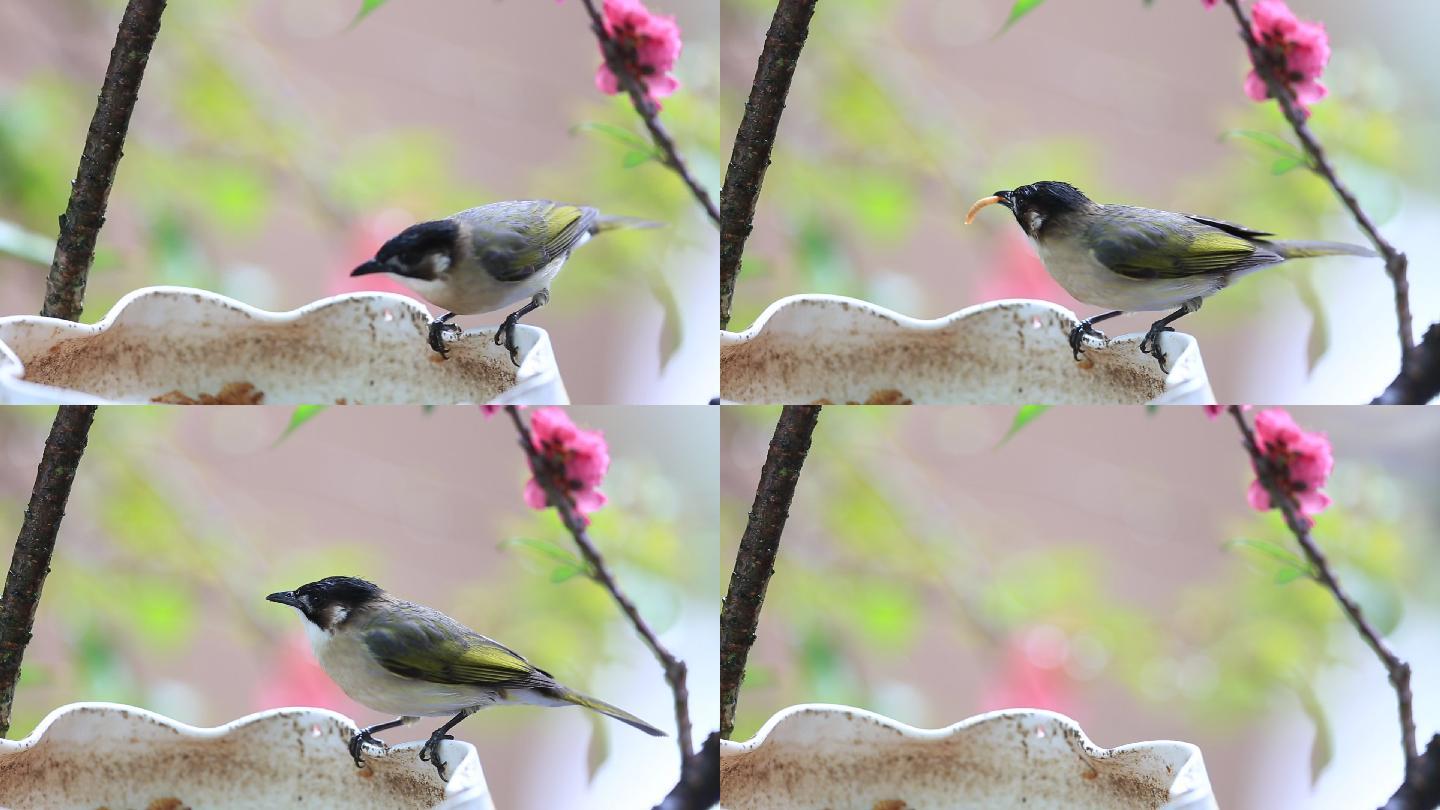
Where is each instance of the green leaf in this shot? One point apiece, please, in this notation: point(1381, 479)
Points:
point(1273, 142)
point(618, 134)
point(1023, 417)
point(672, 323)
point(366, 6)
point(1020, 9)
point(562, 563)
point(1319, 341)
point(1322, 749)
point(635, 158)
point(599, 748)
point(21, 244)
point(1286, 164)
point(298, 417)
point(1292, 566)
point(565, 572)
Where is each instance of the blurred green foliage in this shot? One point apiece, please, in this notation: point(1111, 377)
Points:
point(152, 551)
point(901, 570)
point(874, 97)
point(235, 145)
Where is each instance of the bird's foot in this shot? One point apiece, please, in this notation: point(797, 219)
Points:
point(431, 752)
point(505, 336)
point(358, 742)
point(440, 329)
point(1077, 336)
point(1151, 344)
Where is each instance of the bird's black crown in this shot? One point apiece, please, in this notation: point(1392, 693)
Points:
point(346, 591)
point(413, 243)
point(1045, 196)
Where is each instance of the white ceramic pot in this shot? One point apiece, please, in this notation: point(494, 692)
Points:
point(838, 758)
point(187, 346)
point(89, 755)
point(827, 348)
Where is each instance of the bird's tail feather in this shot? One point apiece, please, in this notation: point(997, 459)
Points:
point(571, 696)
point(605, 222)
point(1305, 250)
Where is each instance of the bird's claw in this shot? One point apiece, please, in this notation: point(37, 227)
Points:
point(430, 752)
point(439, 330)
point(1151, 344)
point(358, 741)
point(1077, 336)
point(505, 336)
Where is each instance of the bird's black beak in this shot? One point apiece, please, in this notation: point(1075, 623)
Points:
point(366, 269)
point(1006, 199)
point(284, 598)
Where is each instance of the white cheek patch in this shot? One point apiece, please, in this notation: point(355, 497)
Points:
point(1035, 219)
point(439, 263)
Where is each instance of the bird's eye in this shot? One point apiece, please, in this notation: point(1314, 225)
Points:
point(411, 256)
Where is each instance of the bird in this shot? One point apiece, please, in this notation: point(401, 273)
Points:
point(491, 257)
point(1130, 259)
point(412, 661)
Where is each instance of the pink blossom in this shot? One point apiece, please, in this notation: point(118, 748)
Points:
point(296, 679)
point(365, 237)
point(1209, 4)
point(1016, 272)
point(649, 44)
point(582, 454)
point(1214, 411)
point(1032, 676)
point(1299, 48)
point(1303, 459)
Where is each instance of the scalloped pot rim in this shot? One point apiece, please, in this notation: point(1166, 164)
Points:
point(1185, 383)
point(1190, 788)
point(466, 790)
point(537, 374)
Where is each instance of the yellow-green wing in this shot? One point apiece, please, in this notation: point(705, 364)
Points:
point(516, 239)
point(1143, 243)
point(416, 642)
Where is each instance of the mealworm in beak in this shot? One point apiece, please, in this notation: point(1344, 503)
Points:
point(975, 209)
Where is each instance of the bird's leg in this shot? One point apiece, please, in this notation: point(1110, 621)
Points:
point(439, 328)
point(363, 736)
point(431, 751)
point(1086, 327)
point(1151, 344)
point(505, 335)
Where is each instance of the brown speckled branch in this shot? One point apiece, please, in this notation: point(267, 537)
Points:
point(1396, 263)
point(648, 111)
point(1270, 475)
point(64, 298)
point(552, 481)
point(755, 139)
point(90, 193)
point(759, 545)
point(30, 561)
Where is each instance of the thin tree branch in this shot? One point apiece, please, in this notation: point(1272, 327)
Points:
point(1419, 381)
point(1270, 474)
point(1395, 262)
point(80, 224)
point(30, 561)
point(755, 560)
point(552, 481)
point(755, 139)
point(648, 110)
point(1421, 790)
point(64, 296)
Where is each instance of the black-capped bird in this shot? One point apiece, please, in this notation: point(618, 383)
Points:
point(1129, 259)
point(412, 661)
point(491, 257)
